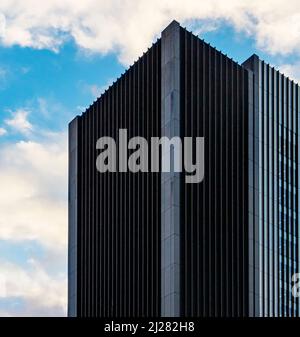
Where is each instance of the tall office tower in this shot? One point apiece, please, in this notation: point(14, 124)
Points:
point(152, 244)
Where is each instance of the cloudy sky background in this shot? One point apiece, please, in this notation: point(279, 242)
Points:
point(56, 57)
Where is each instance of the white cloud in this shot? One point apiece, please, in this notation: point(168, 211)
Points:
point(40, 293)
point(2, 131)
point(129, 26)
point(34, 178)
point(43, 106)
point(19, 122)
point(33, 174)
point(292, 71)
point(2, 25)
point(80, 108)
point(205, 26)
point(97, 90)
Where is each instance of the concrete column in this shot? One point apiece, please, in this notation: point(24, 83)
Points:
point(72, 248)
point(170, 182)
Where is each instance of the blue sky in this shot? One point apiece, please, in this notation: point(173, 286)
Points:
point(64, 83)
point(55, 59)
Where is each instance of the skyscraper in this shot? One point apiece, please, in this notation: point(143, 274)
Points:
point(150, 244)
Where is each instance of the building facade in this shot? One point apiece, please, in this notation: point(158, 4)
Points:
point(274, 190)
point(150, 244)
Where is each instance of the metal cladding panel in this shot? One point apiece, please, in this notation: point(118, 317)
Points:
point(118, 260)
point(214, 213)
